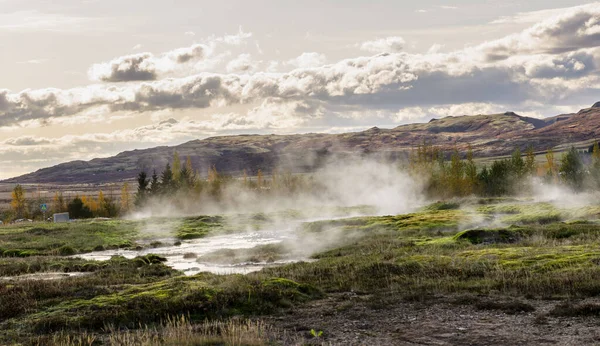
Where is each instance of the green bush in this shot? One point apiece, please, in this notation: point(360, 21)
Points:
point(66, 250)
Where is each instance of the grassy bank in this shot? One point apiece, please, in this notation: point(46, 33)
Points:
point(494, 252)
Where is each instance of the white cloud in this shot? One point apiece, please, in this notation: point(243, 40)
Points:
point(146, 66)
point(435, 48)
point(540, 63)
point(393, 44)
point(464, 109)
point(307, 60)
point(409, 114)
point(32, 21)
point(569, 30)
point(528, 17)
point(235, 39)
point(242, 64)
point(33, 61)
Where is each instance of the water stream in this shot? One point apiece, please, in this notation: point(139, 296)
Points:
point(190, 266)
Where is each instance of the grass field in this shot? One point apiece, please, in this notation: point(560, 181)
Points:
point(495, 251)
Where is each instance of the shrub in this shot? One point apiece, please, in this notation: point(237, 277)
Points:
point(66, 250)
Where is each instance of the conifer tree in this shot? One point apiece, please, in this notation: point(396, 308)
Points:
point(140, 196)
point(154, 184)
point(176, 167)
point(167, 185)
point(572, 169)
point(517, 164)
point(187, 176)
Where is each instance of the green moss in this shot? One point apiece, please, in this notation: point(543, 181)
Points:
point(492, 236)
point(422, 222)
point(66, 250)
point(263, 253)
point(199, 227)
point(46, 239)
point(150, 303)
point(442, 206)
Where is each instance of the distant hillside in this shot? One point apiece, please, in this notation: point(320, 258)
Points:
point(489, 135)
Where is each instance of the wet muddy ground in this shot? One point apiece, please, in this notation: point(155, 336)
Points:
point(347, 319)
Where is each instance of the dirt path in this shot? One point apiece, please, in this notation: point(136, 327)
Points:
point(353, 320)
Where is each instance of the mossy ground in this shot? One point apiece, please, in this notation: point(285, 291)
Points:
point(493, 249)
point(259, 254)
point(23, 240)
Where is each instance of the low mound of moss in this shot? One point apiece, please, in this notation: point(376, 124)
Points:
point(448, 205)
point(260, 254)
point(199, 297)
point(199, 227)
point(492, 236)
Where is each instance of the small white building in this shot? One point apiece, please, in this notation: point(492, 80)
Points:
point(61, 217)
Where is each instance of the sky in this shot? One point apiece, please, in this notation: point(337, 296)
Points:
point(92, 78)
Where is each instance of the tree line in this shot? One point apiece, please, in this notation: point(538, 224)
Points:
point(79, 207)
point(179, 181)
point(447, 175)
point(459, 175)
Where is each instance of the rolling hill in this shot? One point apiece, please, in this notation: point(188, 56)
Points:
point(488, 135)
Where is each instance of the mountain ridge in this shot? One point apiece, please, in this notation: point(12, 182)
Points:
point(488, 135)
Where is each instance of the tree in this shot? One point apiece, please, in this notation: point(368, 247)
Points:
point(530, 166)
point(77, 210)
point(550, 166)
point(595, 166)
point(499, 178)
point(110, 207)
point(58, 203)
point(259, 179)
point(275, 180)
point(214, 182)
point(176, 167)
point(187, 177)
point(455, 175)
point(483, 178)
point(101, 202)
point(245, 179)
point(125, 198)
point(517, 164)
point(572, 169)
point(91, 203)
point(166, 180)
point(470, 173)
point(154, 184)
point(143, 182)
point(19, 203)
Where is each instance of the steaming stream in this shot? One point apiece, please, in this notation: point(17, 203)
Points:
point(190, 266)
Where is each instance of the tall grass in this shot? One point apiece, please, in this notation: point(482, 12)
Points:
point(175, 331)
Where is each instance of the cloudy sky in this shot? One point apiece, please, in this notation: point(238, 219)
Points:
point(85, 79)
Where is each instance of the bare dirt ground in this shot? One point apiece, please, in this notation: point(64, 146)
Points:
point(363, 320)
